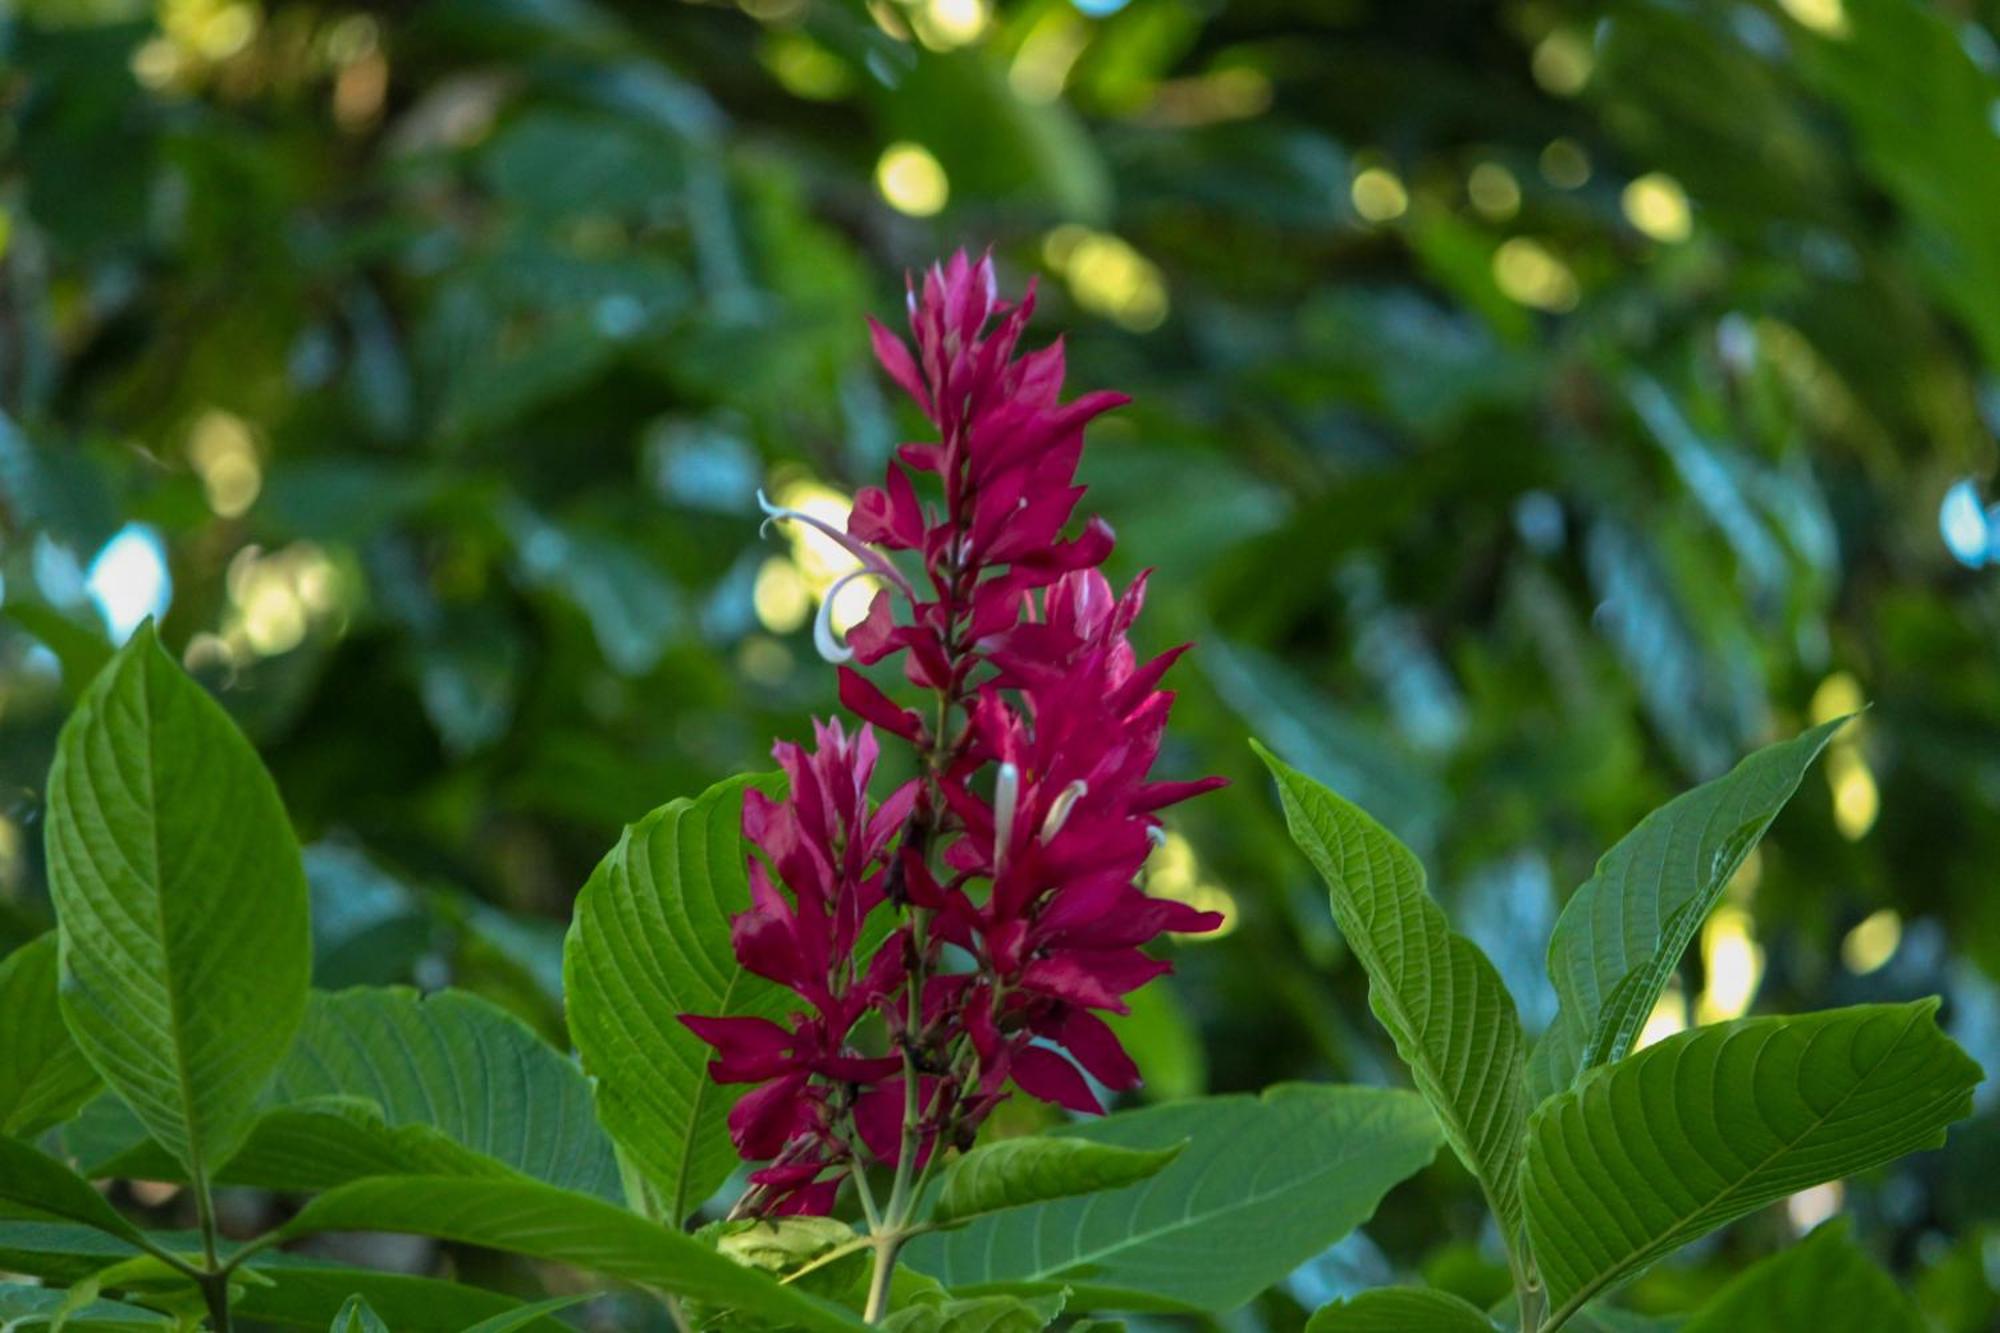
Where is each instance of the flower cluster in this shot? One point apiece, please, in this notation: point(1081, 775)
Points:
point(969, 928)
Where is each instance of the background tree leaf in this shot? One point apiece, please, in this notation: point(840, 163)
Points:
point(649, 941)
point(1666, 1145)
point(543, 1222)
point(185, 948)
point(1443, 1003)
point(1263, 1184)
point(1401, 1310)
point(44, 1078)
point(1014, 1173)
point(526, 1315)
point(1624, 932)
point(1824, 1284)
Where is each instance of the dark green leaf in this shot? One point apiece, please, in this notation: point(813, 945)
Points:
point(1624, 932)
point(1014, 1173)
point(38, 1181)
point(44, 1078)
point(1824, 1284)
point(1264, 1184)
point(181, 901)
point(980, 1314)
point(1663, 1147)
point(24, 1307)
point(1401, 1310)
point(543, 1222)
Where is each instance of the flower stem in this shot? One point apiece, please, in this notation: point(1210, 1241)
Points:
point(884, 1275)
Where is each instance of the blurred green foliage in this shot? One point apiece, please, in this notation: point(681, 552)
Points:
point(1538, 405)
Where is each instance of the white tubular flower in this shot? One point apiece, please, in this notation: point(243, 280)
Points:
point(1059, 809)
point(1006, 796)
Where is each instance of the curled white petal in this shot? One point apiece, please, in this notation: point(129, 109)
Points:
point(824, 638)
point(1059, 809)
point(872, 560)
point(1006, 796)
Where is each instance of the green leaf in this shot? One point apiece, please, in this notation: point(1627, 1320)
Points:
point(1663, 1147)
point(1014, 1173)
point(650, 941)
point(1401, 1310)
point(181, 903)
point(1264, 1184)
point(303, 1293)
point(1624, 932)
point(1824, 1284)
point(44, 1078)
point(544, 1222)
point(981, 1314)
point(461, 1067)
point(24, 1307)
point(1443, 1003)
point(356, 1316)
point(526, 1315)
point(39, 1181)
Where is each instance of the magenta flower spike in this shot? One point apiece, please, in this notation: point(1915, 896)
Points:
point(959, 938)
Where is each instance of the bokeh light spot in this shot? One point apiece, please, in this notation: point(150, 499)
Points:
point(912, 180)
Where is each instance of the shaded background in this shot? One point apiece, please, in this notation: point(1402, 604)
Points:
point(1538, 405)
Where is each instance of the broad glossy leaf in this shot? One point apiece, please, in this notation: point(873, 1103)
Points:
point(1401, 1310)
point(181, 901)
point(24, 1307)
point(1824, 1284)
point(44, 1078)
point(650, 941)
point(1624, 932)
point(1443, 1003)
point(357, 1316)
point(1663, 1147)
point(544, 1222)
point(1264, 1184)
point(1014, 1173)
point(980, 1314)
point(40, 1182)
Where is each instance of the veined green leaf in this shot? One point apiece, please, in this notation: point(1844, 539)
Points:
point(390, 1082)
point(980, 1314)
point(1401, 1310)
point(24, 1307)
point(1443, 1003)
point(357, 1316)
point(44, 1078)
point(544, 1222)
point(1264, 1184)
point(1663, 1147)
point(41, 1182)
point(1014, 1173)
point(461, 1067)
point(1824, 1284)
point(1624, 932)
point(650, 941)
point(181, 900)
